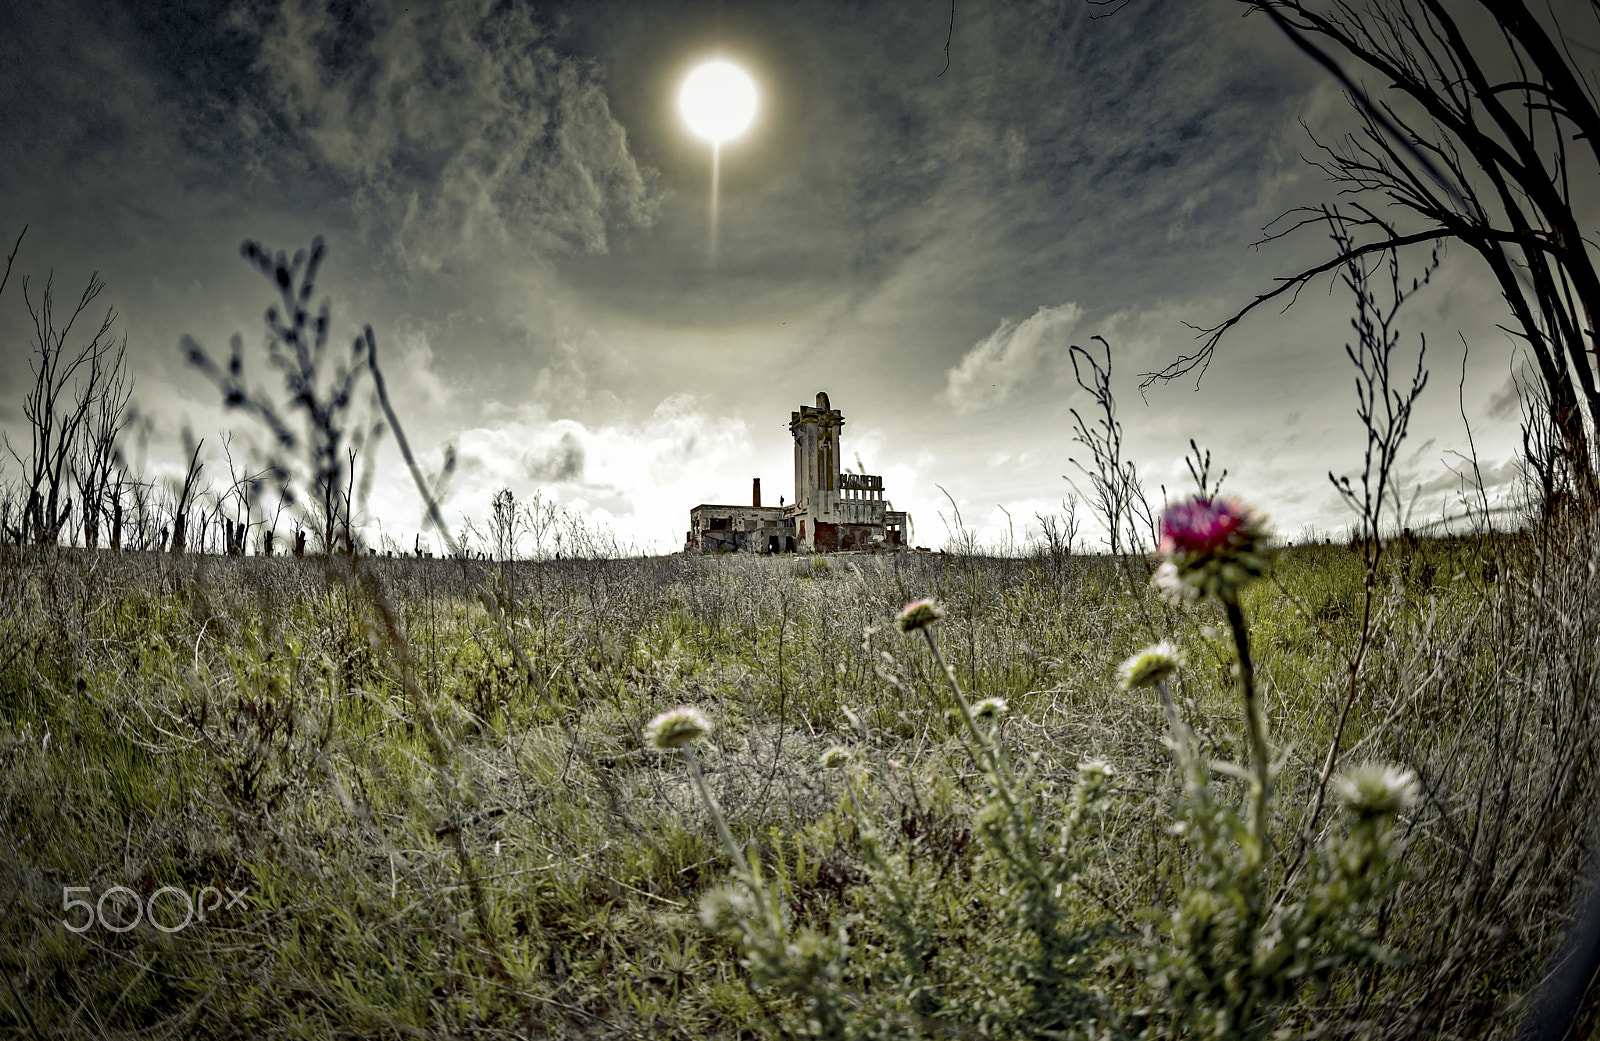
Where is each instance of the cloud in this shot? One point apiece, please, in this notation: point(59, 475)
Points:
point(1510, 399)
point(635, 479)
point(1008, 357)
point(414, 376)
point(562, 463)
point(457, 126)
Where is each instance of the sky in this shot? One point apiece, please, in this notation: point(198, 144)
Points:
point(511, 200)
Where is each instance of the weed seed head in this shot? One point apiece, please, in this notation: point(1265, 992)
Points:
point(723, 908)
point(990, 708)
point(676, 728)
point(919, 614)
point(1150, 666)
point(1377, 789)
point(1212, 548)
point(1094, 774)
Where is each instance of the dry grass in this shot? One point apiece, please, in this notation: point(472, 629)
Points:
point(434, 845)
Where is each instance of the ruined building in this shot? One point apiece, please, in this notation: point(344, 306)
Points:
point(831, 510)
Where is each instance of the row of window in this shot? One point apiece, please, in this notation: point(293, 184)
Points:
point(726, 524)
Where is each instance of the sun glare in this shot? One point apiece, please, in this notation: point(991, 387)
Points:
point(718, 101)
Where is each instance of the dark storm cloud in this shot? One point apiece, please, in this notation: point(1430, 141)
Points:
point(1059, 159)
point(1115, 151)
point(562, 463)
point(509, 196)
point(447, 125)
point(457, 127)
point(147, 140)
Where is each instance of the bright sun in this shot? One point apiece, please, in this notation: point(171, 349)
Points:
point(718, 101)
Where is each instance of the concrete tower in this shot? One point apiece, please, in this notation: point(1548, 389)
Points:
point(816, 465)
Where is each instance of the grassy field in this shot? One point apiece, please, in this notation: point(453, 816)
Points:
point(405, 836)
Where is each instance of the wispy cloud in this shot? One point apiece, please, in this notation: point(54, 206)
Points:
point(1009, 357)
point(621, 475)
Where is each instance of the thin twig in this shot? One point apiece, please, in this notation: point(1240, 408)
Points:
point(13, 256)
point(950, 35)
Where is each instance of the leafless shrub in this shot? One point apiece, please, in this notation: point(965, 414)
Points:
point(98, 459)
point(1115, 491)
point(1463, 149)
point(324, 395)
point(1059, 533)
point(184, 493)
point(75, 411)
point(1383, 408)
point(1385, 414)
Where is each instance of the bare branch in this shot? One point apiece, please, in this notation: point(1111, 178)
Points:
point(7, 277)
point(948, 37)
point(1201, 358)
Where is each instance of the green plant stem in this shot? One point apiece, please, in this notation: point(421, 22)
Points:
point(740, 864)
point(1182, 738)
point(1169, 708)
point(955, 685)
point(1255, 725)
point(996, 765)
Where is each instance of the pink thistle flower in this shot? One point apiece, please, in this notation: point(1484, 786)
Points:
point(1213, 547)
point(919, 614)
point(1202, 525)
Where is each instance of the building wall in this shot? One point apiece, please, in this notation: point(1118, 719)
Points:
point(897, 527)
point(831, 510)
point(714, 528)
point(861, 499)
point(832, 538)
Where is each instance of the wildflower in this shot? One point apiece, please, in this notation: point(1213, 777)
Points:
point(919, 614)
point(1094, 773)
point(990, 708)
point(1150, 666)
point(679, 727)
point(1213, 547)
point(1377, 789)
point(724, 907)
point(835, 757)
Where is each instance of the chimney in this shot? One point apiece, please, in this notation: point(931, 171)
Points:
point(755, 492)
